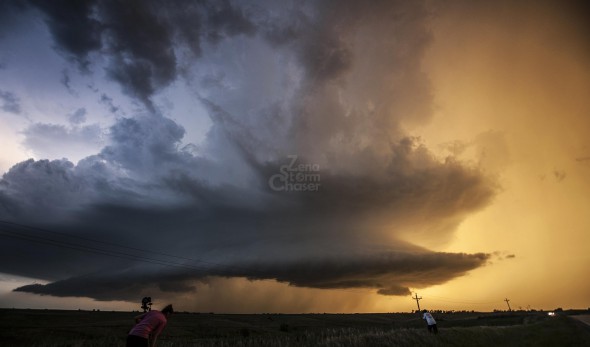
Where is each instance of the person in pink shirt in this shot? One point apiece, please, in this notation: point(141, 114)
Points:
point(148, 327)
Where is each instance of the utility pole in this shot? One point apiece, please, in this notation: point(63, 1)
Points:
point(508, 303)
point(417, 301)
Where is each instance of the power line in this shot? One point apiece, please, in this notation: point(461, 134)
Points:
point(453, 301)
point(100, 241)
point(219, 266)
point(202, 270)
point(94, 250)
point(39, 229)
point(461, 301)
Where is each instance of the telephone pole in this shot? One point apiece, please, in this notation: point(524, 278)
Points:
point(417, 301)
point(508, 303)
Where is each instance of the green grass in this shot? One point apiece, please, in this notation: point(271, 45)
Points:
point(79, 328)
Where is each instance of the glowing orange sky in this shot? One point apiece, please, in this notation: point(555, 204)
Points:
point(513, 85)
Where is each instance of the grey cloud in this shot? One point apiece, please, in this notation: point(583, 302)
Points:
point(318, 241)
point(139, 37)
point(9, 12)
point(325, 43)
point(141, 44)
point(108, 101)
point(66, 81)
point(318, 36)
point(8, 205)
point(349, 80)
point(10, 102)
point(97, 287)
point(92, 87)
point(37, 185)
point(335, 86)
point(78, 117)
point(58, 141)
point(391, 273)
point(141, 149)
point(223, 19)
point(73, 27)
point(383, 270)
point(214, 80)
point(146, 143)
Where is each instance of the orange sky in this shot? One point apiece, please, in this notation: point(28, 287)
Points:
point(513, 86)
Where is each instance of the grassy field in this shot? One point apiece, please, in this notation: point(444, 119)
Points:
point(84, 328)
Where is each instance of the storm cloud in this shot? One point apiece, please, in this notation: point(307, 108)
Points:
point(10, 102)
point(48, 140)
point(337, 85)
point(140, 39)
point(391, 273)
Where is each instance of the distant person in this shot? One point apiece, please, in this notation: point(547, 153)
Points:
point(430, 321)
point(146, 304)
point(148, 327)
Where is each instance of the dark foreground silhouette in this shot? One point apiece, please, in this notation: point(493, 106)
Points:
point(62, 328)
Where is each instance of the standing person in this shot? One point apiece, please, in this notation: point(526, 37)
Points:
point(148, 327)
point(430, 321)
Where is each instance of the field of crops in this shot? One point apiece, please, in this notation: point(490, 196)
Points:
point(83, 328)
